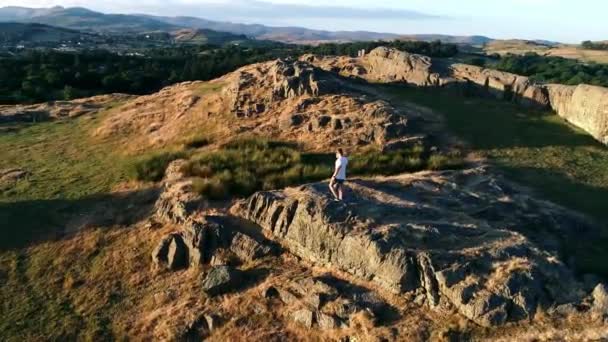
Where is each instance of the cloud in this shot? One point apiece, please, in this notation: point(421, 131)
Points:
point(235, 9)
point(262, 9)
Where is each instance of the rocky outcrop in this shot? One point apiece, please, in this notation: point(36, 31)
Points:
point(199, 239)
point(584, 106)
point(272, 82)
point(503, 85)
point(384, 65)
point(463, 237)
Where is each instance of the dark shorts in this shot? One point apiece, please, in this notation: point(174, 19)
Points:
point(340, 181)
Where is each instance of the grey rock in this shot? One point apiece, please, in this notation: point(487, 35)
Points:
point(326, 321)
point(304, 317)
point(287, 296)
point(221, 279)
point(171, 253)
point(177, 257)
point(246, 248)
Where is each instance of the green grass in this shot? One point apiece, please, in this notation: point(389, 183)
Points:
point(537, 149)
point(248, 165)
point(70, 173)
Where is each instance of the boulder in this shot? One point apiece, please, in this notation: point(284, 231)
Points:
point(220, 279)
point(248, 249)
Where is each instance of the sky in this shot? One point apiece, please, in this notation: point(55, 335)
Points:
point(558, 20)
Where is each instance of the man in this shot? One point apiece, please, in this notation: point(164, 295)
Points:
point(336, 184)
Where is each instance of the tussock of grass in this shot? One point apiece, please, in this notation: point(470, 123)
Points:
point(244, 166)
point(152, 168)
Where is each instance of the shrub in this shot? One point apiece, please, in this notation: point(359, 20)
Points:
point(244, 166)
point(152, 168)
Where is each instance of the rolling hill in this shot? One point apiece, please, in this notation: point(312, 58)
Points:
point(85, 19)
point(12, 33)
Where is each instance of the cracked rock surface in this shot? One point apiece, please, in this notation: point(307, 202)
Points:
point(462, 237)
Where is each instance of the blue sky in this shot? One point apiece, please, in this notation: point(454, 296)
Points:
point(561, 20)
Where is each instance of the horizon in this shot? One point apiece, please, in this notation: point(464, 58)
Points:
point(419, 17)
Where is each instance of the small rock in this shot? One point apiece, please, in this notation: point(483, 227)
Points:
point(600, 300)
point(303, 317)
point(313, 300)
point(212, 321)
point(177, 256)
point(287, 297)
point(221, 279)
point(326, 321)
point(420, 299)
point(564, 310)
point(171, 253)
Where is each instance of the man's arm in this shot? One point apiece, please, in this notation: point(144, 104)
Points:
point(336, 171)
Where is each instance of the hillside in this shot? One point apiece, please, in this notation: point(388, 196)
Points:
point(202, 211)
point(12, 33)
point(84, 19)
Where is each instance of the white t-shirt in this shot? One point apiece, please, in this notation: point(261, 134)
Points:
point(341, 163)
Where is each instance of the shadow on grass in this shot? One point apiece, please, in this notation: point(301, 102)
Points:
point(27, 222)
point(588, 250)
point(510, 125)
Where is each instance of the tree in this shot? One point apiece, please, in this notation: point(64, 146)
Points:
point(68, 93)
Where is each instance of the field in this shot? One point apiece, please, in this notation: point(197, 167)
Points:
point(566, 51)
point(537, 149)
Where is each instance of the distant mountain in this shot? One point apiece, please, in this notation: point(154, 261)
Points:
point(14, 33)
point(13, 13)
point(284, 34)
point(85, 19)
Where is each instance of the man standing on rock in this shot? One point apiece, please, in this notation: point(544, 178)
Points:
point(338, 178)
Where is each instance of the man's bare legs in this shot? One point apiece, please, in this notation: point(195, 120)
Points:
point(332, 188)
point(340, 186)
